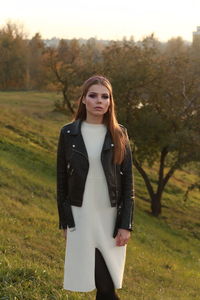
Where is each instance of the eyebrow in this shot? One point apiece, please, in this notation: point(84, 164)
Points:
point(97, 93)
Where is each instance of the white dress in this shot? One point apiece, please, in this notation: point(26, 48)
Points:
point(94, 222)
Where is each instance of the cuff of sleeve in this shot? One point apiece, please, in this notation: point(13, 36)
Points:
point(72, 229)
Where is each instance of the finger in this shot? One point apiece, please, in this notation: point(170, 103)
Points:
point(120, 242)
point(117, 240)
point(125, 238)
point(124, 242)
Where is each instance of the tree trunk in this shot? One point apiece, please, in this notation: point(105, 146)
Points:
point(67, 102)
point(156, 207)
point(156, 196)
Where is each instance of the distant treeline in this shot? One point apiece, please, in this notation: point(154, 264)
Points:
point(27, 64)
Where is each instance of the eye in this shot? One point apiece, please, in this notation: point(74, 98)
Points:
point(92, 95)
point(105, 96)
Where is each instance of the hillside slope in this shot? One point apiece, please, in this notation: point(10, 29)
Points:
point(163, 254)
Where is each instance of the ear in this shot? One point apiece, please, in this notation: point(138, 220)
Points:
point(83, 101)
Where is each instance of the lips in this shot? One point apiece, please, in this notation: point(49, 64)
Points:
point(98, 107)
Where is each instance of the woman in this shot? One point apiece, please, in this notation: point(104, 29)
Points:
point(95, 193)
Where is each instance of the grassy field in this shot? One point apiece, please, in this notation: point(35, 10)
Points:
point(163, 259)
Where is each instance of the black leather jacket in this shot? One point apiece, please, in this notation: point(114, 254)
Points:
point(72, 169)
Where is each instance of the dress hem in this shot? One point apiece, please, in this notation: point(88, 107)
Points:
point(85, 291)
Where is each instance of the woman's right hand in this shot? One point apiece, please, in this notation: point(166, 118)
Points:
point(65, 233)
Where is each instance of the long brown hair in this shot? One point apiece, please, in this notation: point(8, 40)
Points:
point(109, 119)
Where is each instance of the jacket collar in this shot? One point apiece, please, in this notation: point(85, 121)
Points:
point(76, 127)
point(76, 131)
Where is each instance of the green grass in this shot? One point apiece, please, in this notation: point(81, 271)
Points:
point(162, 256)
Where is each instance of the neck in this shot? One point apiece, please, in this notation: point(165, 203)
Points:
point(94, 120)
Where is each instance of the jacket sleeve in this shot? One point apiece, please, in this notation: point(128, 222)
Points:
point(127, 200)
point(64, 208)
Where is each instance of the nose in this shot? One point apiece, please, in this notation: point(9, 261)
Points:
point(99, 99)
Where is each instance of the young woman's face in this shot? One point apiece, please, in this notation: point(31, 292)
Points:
point(97, 100)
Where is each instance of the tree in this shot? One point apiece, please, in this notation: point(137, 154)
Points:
point(36, 73)
point(159, 97)
point(130, 67)
point(66, 64)
point(165, 128)
point(13, 50)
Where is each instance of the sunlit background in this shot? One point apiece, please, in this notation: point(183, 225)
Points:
point(105, 19)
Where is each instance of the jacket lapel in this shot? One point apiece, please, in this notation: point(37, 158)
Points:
point(78, 142)
point(107, 142)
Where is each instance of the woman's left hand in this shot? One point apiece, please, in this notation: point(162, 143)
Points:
point(122, 237)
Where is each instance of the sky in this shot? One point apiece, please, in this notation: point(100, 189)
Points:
point(104, 19)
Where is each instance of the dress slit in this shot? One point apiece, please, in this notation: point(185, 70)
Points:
point(103, 278)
